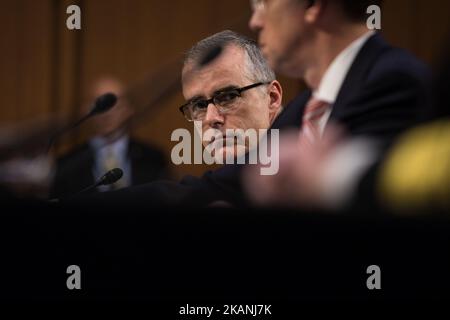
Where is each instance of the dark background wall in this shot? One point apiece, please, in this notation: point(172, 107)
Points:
point(46, 68)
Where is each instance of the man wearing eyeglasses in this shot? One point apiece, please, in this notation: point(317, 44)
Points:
point(237, 91)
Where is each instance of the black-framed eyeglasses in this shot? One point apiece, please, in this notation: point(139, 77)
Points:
point(224, 100)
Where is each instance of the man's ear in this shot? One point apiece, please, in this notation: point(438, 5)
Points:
point(276, 98)
point(313, 10)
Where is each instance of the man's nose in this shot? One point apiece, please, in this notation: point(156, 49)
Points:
point(213, 118)
point(255, 23)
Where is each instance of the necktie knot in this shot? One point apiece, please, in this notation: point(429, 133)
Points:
point(314, 111)
point(111, 161)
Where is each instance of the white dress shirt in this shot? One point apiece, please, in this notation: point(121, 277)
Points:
point(334, 77)
point(347, 163)
point(119, 148)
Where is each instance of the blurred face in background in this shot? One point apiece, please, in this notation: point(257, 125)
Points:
point(256, 108)
point(111, 124)
point(284, 33)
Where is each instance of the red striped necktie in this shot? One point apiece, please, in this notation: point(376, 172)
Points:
point(314, 111)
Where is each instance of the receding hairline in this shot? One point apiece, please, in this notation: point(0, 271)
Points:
point(255, 65)
point(190, 64)
point(219, 39)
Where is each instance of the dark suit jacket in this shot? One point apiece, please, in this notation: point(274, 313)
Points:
point(385, 92)
point(75, 170)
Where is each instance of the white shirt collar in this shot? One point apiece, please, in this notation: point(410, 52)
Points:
point(103, 149)
point(118, 147)
point(334, 77)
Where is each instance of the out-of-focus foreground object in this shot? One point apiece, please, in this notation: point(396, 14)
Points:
point(26, 168)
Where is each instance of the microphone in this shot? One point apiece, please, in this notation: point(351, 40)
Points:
point(102, 104)
point(110, 177)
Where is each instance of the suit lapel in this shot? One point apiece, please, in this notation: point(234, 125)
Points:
point(293, 112)
point(358, 72)
point(85, 163)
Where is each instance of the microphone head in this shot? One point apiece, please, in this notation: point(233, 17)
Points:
point(210, 56)
point(104, 103)
point(111, 176)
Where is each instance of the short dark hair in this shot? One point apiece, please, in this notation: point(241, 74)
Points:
point(356, 10)
point(258, 68)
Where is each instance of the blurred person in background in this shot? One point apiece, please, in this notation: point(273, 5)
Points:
point(111, 146)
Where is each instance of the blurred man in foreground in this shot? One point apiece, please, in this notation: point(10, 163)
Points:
point(358, 84)
point(354, 77)
point(412, 176)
